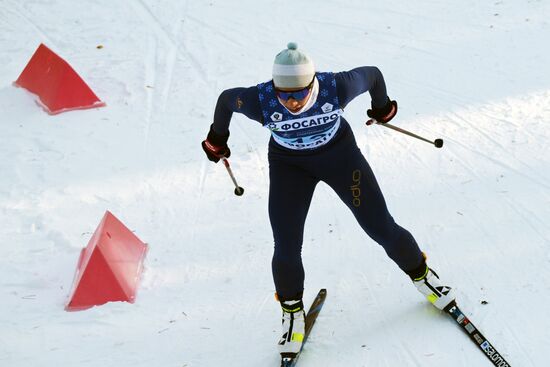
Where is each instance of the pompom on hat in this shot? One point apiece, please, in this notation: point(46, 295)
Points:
point(292, 68)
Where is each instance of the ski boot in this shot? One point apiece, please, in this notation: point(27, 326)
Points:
point(294, 323)
point(428, 283)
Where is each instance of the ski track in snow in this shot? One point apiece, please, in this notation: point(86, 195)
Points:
point(478, 206)
point(152, 67)
point(487, 138)
point(150, 79)
point(216, 30)
point(174, 46)
point(14, 9)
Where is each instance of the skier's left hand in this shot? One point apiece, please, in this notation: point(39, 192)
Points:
point(383, 114)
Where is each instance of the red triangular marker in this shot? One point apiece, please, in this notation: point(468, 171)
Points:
point(109, 267)
point(58, 87)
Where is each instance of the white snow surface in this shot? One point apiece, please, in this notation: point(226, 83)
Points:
point(474, 73)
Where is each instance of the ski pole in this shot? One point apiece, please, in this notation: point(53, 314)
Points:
point(438, 143)
point(238, 190)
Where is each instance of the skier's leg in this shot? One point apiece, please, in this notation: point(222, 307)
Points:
point(355, 183)
point(353, 180)
point(290, 193)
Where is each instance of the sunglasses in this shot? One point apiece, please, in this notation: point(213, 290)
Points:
point(298, 95)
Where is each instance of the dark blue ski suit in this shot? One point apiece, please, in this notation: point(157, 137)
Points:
point(317, 145)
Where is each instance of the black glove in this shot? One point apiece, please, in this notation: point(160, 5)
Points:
point(215, 146)
point(383, 114)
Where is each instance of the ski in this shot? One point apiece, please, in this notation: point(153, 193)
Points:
point(311, 316)
point(476, 336)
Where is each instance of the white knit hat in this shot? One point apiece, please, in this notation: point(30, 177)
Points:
point(292, 68)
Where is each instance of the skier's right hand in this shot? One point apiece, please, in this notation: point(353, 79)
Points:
point(215, 146)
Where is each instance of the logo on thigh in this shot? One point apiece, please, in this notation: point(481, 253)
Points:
point(355, 189)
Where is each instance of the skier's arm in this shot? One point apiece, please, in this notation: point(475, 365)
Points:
point(241, 100)
point(357, 81)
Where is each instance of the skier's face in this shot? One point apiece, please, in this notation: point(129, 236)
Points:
point(294, 98)
point(294, 105)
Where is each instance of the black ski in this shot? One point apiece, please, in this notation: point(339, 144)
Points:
point(311, 316)
point(475, 335)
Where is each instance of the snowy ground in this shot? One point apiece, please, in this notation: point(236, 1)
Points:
point(473, 73)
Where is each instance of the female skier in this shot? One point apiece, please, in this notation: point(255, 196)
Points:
point(312, 142)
